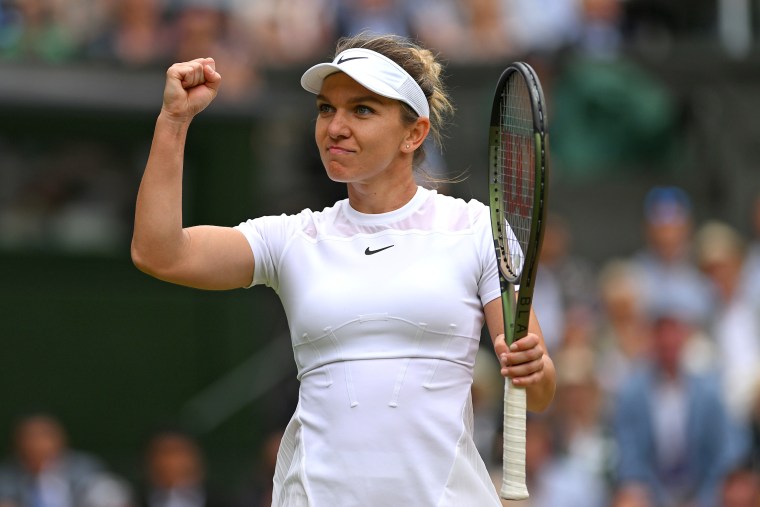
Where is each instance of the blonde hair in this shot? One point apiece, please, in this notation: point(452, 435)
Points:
point(422, 65)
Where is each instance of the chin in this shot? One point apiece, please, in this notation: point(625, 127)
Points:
point(337, 173)
point(336, 177)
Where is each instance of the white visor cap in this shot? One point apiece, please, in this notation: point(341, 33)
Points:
point(373, 71)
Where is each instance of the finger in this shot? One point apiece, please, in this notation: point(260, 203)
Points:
point(528, 341)
point(182, 72)
point(523, 370)
point(208, 68)
point(500, 345)
point(191, 74)
point(206, 61)
point(198, 75)
point(524, 356)
point(533, 378)
point(211, 76)
point(516, 359)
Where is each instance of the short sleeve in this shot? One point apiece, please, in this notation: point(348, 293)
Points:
point(268, 237)
point(488, 286)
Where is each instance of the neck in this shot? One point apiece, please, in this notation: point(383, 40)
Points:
point(381, 196)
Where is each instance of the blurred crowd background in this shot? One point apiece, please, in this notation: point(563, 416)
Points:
point(117, 390)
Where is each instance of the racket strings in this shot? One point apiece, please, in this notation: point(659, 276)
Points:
point(516, 155)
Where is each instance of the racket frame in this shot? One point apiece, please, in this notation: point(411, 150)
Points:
point(516, 306)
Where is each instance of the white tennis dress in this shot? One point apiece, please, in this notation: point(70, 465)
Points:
point(385, 313)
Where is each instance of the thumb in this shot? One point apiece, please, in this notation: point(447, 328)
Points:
point(500, 345)
point(212, 77)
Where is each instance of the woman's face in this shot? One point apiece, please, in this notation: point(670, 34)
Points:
point(360, 134)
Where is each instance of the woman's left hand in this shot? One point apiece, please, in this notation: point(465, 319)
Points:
point(523, 362)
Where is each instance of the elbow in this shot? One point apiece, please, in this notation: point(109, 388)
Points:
point(143, 260)
point(160, 260)
point(156, 263)
point(138, 258)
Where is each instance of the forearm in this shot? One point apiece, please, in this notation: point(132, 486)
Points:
point(541, 394)
point(158, 236)
point(527, 362)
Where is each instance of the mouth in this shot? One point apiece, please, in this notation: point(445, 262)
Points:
point(338, 150)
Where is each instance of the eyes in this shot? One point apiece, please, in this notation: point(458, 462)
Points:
point(359, 110)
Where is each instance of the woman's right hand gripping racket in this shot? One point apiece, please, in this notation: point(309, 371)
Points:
point(518, 159)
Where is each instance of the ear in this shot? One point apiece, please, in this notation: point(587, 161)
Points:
point(416, 135)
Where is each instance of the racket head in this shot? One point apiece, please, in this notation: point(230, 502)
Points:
point(518, 163)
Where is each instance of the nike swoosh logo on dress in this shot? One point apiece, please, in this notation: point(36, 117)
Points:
point(373, 252)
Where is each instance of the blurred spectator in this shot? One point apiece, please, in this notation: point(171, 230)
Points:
point(464, 30)
point(32, 31)
point(82, 20)
point(600, 33)
point(735, 324)
point(258, 492)
point(374, 16)
point(208, 28)
point(136, 35)
point(176, 475)
point(286, 32)
point(73, 196)
point(555, 479)
point(666, 262)
point(583, 427)
point(624, 336)
point(674, 435)
point(580, 329)
point(564, 281)
point(632, 495)
point(753, 251)
point(46, 472)
point(544, 27)
point(107, 490)
point(741, 488)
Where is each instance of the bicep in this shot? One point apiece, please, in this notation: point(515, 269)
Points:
point(213, 258)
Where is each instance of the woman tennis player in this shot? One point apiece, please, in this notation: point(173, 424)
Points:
point(386, 292)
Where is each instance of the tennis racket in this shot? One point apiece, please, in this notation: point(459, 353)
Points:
point(518, 160)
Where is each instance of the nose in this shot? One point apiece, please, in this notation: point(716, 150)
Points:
point(338, 126)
